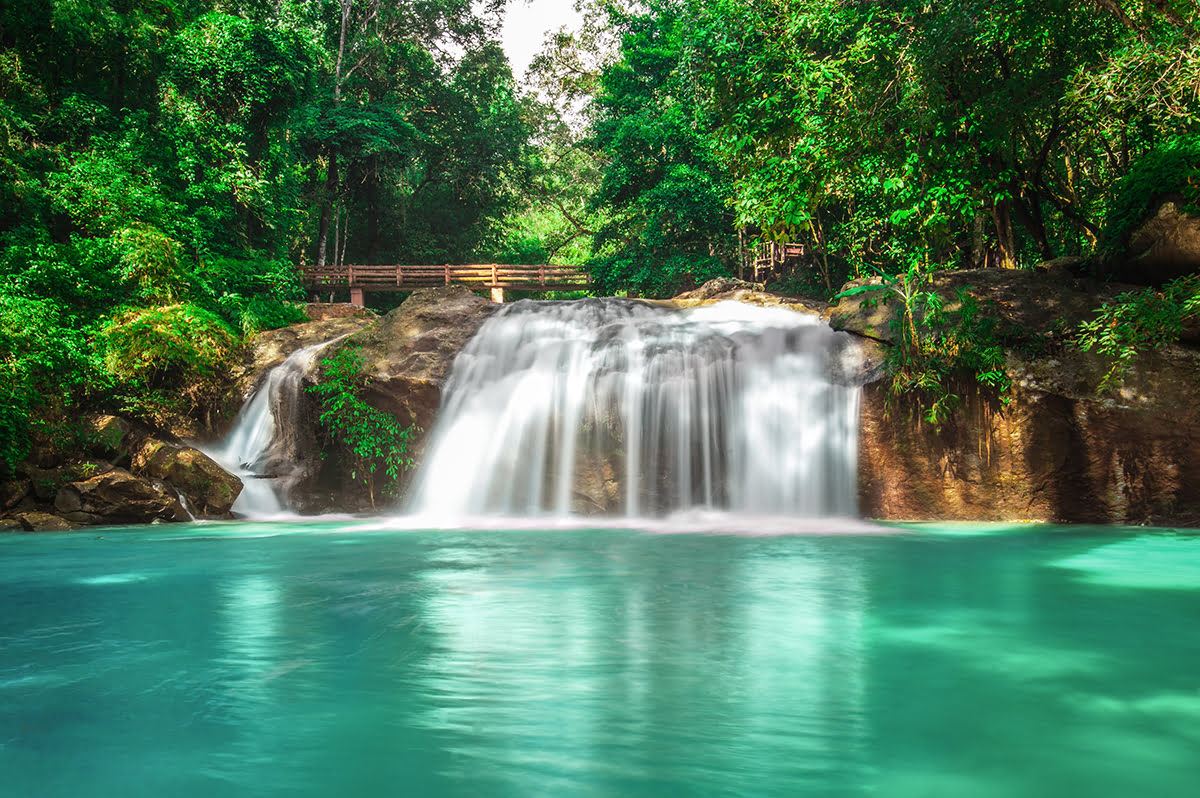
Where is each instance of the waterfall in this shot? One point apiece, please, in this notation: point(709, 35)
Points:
point(264, 446)
point(629, 408)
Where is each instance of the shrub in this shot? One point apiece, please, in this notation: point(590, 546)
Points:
point(1137, 321)
point(374, 440)
point(166, 345)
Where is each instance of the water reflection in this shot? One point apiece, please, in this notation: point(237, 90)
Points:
point(592, 662)
point(753, 666)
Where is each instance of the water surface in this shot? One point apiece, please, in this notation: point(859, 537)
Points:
point(339, 659)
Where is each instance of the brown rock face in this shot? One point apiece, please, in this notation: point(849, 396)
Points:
point(48, 481)
point(408, 354)
point(209, 489)
point(1167, 246)
point(118, 497)
point(1055, 452)
point(272, 347)
point(321, 311)
point(1025, 302)
point(42, 522)
point(12, 491)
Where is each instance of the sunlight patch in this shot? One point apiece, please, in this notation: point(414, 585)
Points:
point(1147, 561)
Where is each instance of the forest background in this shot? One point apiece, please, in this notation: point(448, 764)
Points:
point(165, 166)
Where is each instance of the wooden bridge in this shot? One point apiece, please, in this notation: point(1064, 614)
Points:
point(496, 277)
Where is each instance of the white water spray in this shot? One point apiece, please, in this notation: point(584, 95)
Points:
point(633, 409)
point(262, 448)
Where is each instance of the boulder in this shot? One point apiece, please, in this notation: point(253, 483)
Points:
point(35, 521)
point(12, 491)
point(209, 490)
point(47, 481)
point(1165, 247)
point(323, 311)
point(117, 497)
point(408, 354)
point(111, 437)
point(11, 525)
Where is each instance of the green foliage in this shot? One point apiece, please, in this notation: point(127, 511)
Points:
point(1172, 170)
point(164, 346)
point(1138, 321)
point(934, 342)
point(374, 440)
point(42, 365)
point(960, 133)
point(662, 188)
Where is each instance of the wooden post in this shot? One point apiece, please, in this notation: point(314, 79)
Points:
point(447, 274)
point(497, 294)
point(494, 286)
point(358, 297)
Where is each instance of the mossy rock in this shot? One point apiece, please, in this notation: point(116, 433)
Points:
point(48, 481)
point(209, 489)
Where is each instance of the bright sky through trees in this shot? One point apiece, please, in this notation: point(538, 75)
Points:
point(526, 23)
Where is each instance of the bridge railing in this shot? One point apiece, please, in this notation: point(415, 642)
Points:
point(406, 278)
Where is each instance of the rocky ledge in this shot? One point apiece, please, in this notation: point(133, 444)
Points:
point(1054, 447)
point(123, 474)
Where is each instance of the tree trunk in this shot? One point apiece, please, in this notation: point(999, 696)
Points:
point(331, 182)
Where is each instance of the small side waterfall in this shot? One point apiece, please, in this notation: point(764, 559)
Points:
point(263, 447)
point(629, 408)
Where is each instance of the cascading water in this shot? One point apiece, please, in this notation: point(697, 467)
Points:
point(263, 447)
point(635, 409)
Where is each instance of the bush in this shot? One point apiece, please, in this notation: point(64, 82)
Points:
point(374, 440)
point(42, 364)
point(1137, 321)
point(167, 345)
point(1170, 170)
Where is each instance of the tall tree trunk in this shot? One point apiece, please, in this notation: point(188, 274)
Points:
point(1002, 217)
point(331, 182)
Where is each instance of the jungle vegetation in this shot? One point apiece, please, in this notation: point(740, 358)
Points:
point(165, 166)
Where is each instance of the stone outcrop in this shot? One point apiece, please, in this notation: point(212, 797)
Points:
point(209, 489)
point(1165, 247)
point(408, 354)
point(13, 492)
point(47, 481)
point(37, 521)
point(323, 311)
point(272, 347)
point(730, 289)
point(1057, 449)
point(118, 497)
point(1028, 304)
point(142, 481)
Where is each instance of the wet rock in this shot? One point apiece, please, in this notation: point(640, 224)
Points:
point(270, 348)
point(10, 525)
point(12, 491)
point(209, 490)
point(408, 354)
point(1057, 451)
point(119, 497)
point(35, 521)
